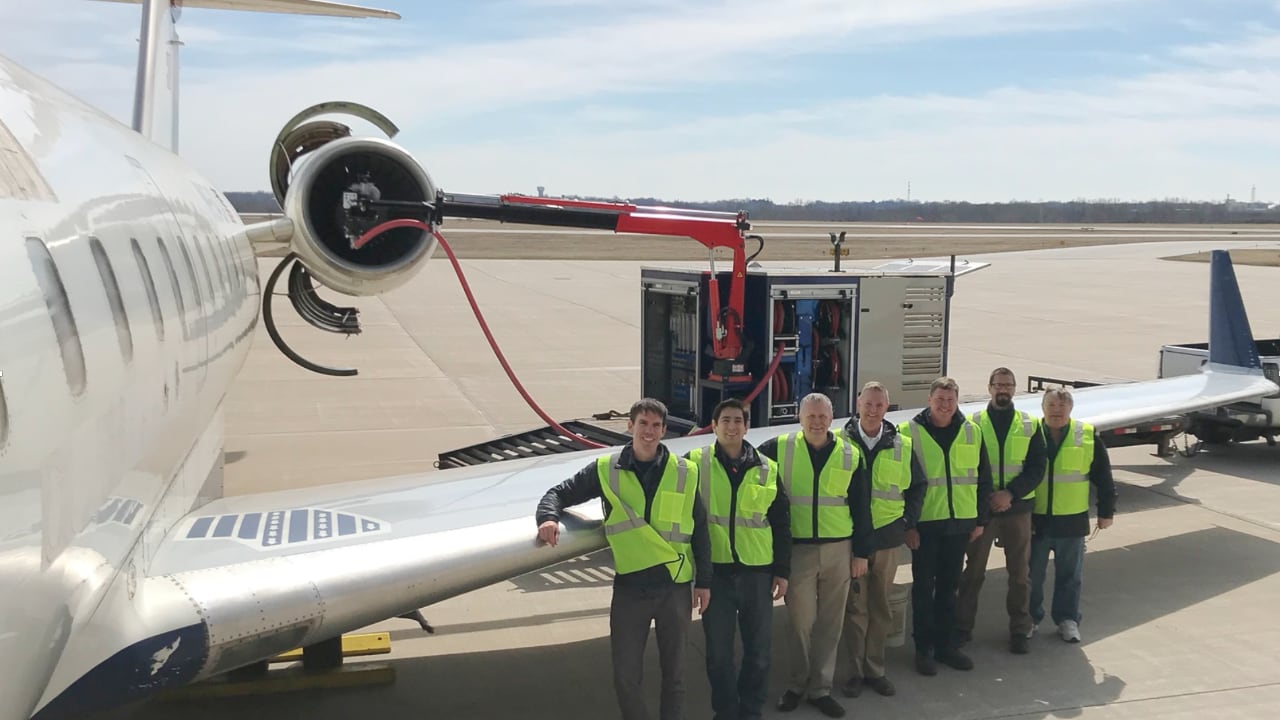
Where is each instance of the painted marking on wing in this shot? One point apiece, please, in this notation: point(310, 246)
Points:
point(279, 528)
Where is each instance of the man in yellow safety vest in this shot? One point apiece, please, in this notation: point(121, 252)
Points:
point(892, 469)
point(1076, 459)
point(656, 526)
point(1014, 445)
point(951, 512)
point(830, 528)
point(749, 522)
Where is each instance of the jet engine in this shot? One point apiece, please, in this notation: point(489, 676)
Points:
point(333, 188)
point(330, 172)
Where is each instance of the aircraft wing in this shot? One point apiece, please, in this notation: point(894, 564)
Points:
point(244, 578)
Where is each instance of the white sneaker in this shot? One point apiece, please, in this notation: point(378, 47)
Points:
point(1069, 630)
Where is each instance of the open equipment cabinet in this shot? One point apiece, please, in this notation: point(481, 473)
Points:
point(835, 331)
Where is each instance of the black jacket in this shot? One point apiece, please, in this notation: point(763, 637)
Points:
point(894, 534)
point(1032, 467)
point(585, 486)
point(778, 514)
point(859, 496)
point(1103, 483)
point(915, 498)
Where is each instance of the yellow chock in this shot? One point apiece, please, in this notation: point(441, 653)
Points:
point(378, 643)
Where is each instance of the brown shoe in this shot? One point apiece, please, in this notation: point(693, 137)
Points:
point(881, 685)
point(852, 688)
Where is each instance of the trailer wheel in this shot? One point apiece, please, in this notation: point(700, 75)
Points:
point(1214, 434)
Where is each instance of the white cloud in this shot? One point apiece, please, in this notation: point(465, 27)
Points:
point(1184, 130)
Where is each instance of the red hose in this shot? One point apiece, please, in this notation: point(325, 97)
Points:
point(777, 358)
point(466, 288)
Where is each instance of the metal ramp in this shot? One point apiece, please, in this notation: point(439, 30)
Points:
point(545, 441)
point(533, 443)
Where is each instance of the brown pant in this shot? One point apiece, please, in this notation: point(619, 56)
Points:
point(816, 598)
point(867, 619)
point(1014, 533)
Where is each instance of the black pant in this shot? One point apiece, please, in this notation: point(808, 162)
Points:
point(670, 609)
point(741, 601)
point(935, 578)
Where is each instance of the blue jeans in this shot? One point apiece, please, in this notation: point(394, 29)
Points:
point(739, 602)
point(1068, 576)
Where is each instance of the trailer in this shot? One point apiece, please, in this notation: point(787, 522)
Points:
point(1238, 422)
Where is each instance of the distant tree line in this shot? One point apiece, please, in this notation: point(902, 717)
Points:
point(1084, 212)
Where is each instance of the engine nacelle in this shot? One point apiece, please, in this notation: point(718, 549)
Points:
point(323, 234)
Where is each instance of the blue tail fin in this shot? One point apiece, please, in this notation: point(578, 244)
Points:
point(1230, 340)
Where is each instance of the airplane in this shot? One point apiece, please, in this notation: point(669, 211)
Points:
point(128, 299)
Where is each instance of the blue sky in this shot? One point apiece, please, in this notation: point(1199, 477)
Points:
point(979, 100)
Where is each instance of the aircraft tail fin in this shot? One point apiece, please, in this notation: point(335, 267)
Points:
point(157, 78)
point(1230, 339)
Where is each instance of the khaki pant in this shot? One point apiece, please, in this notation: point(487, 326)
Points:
point(867, 618)
point(816, 599)
point(1014, 533)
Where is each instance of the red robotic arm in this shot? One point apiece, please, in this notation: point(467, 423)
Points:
point(712, 229)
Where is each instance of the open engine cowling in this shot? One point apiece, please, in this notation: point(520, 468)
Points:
point(323, 232)
point(334, 188)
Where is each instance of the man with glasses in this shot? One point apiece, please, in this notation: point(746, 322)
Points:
point(1014, 444)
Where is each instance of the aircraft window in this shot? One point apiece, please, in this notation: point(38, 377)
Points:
point(218, 251)
point(113, 298)
point(234, 260)
point(149, 284)
point(173, 280)
point(212, 259)
point(64, 321)
point(204, 268)
point(4, 415)
point(191, 272)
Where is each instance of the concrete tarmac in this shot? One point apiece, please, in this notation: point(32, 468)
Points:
point(1179, 595)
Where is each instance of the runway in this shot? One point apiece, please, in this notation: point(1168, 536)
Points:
point(1178, 596)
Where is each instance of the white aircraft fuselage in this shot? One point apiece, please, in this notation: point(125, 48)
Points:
point(128, 296)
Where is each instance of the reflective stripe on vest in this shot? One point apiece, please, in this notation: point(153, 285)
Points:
point(890, 475)
point(1006, 464)
point(952, 477)
point(737, 520)
point(666, 537)
point(827, 515)
point(1065, 490)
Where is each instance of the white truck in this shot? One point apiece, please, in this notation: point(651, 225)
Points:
point(1239, 422)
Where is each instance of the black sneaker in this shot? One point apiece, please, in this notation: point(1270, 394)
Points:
point(925, 664)
point(828, 706)
point(852, 688)
point(789, 701)
point(954, 658)
point(1019, 644)
point(881, 685)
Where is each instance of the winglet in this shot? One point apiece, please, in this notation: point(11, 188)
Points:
point(1230, 339)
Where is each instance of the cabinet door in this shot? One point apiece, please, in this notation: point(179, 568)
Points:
point(880, 328)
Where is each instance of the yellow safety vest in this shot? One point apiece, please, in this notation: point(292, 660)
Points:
point(1007, 464)
point(667, 537)
point(890, 477)
point(737, 519)
point(953, 477)
point(1065, 490)
point(819, 502)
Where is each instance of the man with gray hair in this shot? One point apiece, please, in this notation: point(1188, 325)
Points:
point(1060, 519)
point(830, 527)
point(892, 469)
